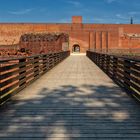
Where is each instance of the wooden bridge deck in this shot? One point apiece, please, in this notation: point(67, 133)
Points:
point(73, 101)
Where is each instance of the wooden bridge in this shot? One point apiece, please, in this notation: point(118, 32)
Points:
point(75, 100)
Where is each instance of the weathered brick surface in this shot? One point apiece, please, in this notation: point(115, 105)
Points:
point(43, 42)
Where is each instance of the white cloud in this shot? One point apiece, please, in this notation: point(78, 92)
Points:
point(133, 13)
point(122, 17)
point(75, 3)
point(20, 12)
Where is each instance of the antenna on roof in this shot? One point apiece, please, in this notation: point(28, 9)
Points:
point(131, 20)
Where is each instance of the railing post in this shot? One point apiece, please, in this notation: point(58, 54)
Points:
point(114, 67)
point(96, 58)
point(91, 56)
point(36, 67)
point(59, 59)
point(0, 84)
point(105, 62)
point(127, 69)
point(22, 73)
point(108, 64)
point(100, 60)
point(40, 64)
point(44, 58)
point(53, 57)
point(50, 61)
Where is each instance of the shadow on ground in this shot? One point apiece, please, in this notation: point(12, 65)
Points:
point(72, 113)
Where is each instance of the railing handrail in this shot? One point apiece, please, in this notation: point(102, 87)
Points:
point(24, 57)
point(121, 57)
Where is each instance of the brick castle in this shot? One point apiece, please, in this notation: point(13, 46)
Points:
point(82, 36)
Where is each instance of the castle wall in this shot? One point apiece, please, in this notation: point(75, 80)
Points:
point(99, 37)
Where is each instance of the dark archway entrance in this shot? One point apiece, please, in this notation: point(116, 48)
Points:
point(76, 48)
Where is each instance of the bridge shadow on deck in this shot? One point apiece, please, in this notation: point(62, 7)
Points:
point(72, 113)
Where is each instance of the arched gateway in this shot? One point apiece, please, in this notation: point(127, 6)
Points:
point(76, 48)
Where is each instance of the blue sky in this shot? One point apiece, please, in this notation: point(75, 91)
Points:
point(61, 11)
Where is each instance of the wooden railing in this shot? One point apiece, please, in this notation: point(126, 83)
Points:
point(124, 71)
point(16, 74)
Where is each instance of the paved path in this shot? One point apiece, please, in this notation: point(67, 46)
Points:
point(73, 101)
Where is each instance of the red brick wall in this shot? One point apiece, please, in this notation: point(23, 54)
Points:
point(42, 43)
point(82, 34)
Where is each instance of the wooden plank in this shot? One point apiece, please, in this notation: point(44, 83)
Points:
point(9, 88)
point(136, 66)
point(3, 84)
point(135, 79)
point(6, 68)
point(135, 86)
point(4, 76)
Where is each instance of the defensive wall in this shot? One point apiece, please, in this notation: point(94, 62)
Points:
point(97, 37)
